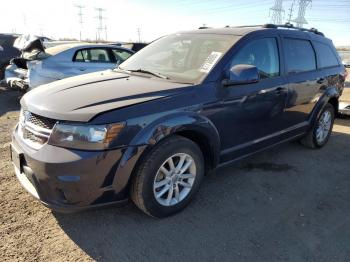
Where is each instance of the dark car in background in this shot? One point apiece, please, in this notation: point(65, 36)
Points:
point(134, 46)
point(185, 104)
point(7, 51)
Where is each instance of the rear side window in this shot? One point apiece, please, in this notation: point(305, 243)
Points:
point(300, 55)
point(326, 56)
point(96, 55)
point(262, 53)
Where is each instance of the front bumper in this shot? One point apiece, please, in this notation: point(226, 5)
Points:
point(71, 180)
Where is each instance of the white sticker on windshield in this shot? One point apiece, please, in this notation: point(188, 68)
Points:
point(210, 62)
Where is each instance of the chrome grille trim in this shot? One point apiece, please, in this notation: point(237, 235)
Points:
point(34, 130)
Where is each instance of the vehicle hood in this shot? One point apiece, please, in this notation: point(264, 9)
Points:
point(82, 97)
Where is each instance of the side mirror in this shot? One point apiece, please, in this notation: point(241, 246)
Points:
point(241, 75)
point(346, 64)
point(1, 48)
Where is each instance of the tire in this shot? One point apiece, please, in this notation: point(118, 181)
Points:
point(149, 175)
point(311, 140)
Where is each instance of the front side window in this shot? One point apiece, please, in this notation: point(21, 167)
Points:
point(262, 53)
point(95, 55)
point(300, 56)
point(326, 56)
point(182, 57)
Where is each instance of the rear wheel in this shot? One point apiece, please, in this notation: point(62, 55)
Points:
point(322, 130)
point(168, 177)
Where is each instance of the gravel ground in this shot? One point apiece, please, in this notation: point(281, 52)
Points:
point(285, 204)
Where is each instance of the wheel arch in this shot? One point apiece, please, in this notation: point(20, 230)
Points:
point(331, 96)
point(195, 127)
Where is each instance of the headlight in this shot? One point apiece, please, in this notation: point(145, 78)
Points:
point(85, 137)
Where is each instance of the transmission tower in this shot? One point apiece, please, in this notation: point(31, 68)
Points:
point(80, 18)
point(300, 20)
point(100, 19)
point(277, 12)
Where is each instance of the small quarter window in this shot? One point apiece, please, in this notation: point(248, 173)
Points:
point(326, 56)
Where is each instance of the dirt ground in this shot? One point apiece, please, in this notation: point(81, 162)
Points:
point(285, 204)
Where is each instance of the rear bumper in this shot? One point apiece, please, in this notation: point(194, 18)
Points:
point(344, 108)
point(70, 180)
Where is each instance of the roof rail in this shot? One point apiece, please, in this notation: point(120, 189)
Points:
point(286, 25)
point(291, 26)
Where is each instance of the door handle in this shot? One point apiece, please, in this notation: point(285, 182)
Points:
point(82, 69)
point(280, 90)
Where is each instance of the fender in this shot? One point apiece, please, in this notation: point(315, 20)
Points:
point(330, 92)
point(159, 129)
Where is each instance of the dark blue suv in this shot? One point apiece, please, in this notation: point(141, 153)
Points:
point(185, 104)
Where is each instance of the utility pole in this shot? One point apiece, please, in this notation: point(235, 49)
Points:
point(41, 30)
point(291, 10)
point(100, 19)
point(300, 20)
point(277, 12)
point(80, 18)
point(24, 17)
point(139, 34)
point(106, 32)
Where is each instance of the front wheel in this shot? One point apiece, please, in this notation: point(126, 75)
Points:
point(168, 177)
point(322, 129)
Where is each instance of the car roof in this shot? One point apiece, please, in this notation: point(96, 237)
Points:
point(64, 47)
point(239, 31)
point(312, 34)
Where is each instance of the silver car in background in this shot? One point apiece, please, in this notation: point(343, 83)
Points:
point(62, 61)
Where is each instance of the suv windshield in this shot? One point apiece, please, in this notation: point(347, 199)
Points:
point(181, 57)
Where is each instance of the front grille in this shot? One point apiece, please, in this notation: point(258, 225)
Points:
point(35, 130)
point(40, 121)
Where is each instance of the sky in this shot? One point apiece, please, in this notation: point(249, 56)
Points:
point(155, 18)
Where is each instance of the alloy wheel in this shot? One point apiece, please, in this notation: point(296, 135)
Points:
point(324, 127)
point(174, 179)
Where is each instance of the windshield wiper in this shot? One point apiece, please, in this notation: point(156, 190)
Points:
point(140, 70)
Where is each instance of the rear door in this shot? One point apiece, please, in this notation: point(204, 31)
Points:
point(329, 64)
point(92, 60)
point(305, 80)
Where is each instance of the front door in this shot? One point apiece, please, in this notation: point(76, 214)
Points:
point(253, 113)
